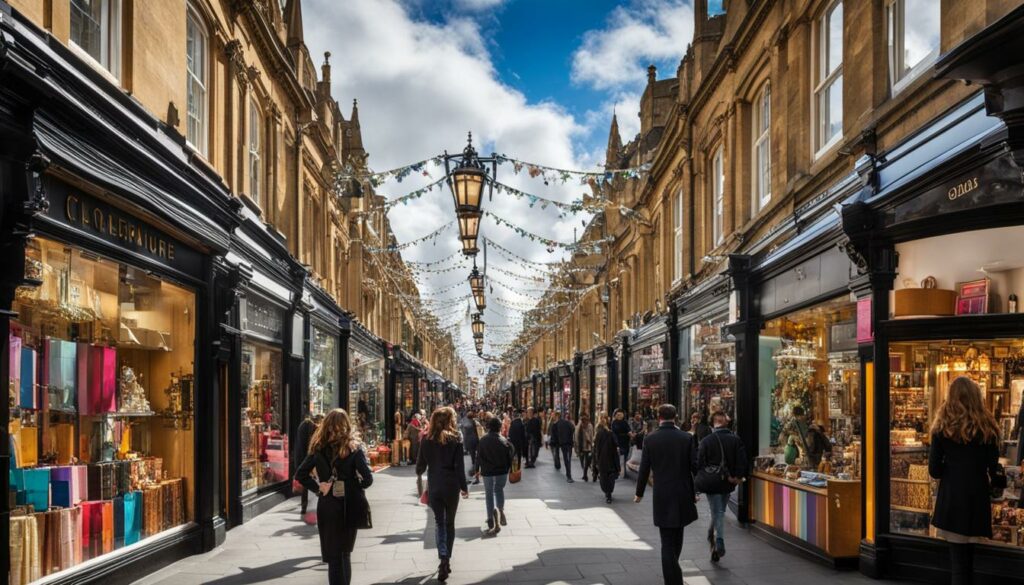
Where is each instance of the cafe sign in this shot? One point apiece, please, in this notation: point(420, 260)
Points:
point(995, 183)
point(87, 214)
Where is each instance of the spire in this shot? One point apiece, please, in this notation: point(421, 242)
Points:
point(652, 74)
point(293, 17)
point(354, 118)
point(325, 69)
point(614, 144)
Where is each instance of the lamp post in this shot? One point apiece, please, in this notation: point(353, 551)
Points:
point(467, 180)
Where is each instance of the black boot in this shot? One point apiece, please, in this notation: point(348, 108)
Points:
point(443, 570)
point(501, 516)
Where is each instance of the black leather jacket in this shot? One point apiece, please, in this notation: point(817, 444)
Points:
point(494, 455)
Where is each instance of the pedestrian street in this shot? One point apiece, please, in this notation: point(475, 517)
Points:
point(557, 533)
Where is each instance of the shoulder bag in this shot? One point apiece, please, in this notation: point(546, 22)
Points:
point(714, 479)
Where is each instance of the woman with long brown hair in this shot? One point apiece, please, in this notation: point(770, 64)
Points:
point(964, 457)
point(342, 474)
point(441, 456)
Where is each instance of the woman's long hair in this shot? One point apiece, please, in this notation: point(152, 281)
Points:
point(442, 426)
point(584, 421)
point(963, 417)
point(335, 433)
point(603, 422)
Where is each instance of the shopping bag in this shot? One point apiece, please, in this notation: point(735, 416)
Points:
point(516, 474)
point(423, 491)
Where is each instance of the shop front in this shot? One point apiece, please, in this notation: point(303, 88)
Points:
point(649, 369)
point(605, 378)
point(707, 356)
point(405, 375)
point(939, 247)
point(585, 372)
point(364, 379)
point(561, 384)
point(526, 393)
point(323, 353)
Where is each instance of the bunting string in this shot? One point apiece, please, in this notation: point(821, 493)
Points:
point(398, 247)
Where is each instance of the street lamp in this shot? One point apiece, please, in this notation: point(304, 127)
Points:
point(476, 285)
point(467, 181)
point(478, 326)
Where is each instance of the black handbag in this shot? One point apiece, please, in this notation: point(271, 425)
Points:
point(714, 479)
point(365, 519)
point(997, 481)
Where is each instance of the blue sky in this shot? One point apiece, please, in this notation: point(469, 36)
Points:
point(535, 79)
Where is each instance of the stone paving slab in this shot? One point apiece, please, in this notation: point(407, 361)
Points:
point(558, 534)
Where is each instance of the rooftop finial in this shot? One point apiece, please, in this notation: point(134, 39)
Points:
point(470, 138)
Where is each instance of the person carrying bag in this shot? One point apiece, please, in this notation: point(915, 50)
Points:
point(336, 453)
point(721, 466)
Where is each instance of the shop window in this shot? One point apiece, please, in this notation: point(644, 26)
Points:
point(255, 152)
point(196, 50)
point(762, 149)
point(101, 418)
point(710, 380)
point(366, 394)
point(96, 30)
point(649, 380)
point(264, 436)
point(828, 88)
point(585, 401)
point(718, 198)
point(601, 403)
point(323, 371)
point(919, 378)
point(809, 394)
point(913, 42)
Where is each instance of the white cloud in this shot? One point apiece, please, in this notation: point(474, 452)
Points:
point(421, 86)
point(648, 31)
point(478, 4)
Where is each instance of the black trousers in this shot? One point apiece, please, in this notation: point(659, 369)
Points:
point(305, 499)
point(671, 548)
point(444, 507)
point(585, 463)
point(566, 451)
point(340, 572)
point(534, 450)
point(608, 482)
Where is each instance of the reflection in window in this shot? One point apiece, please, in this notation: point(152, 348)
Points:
point(914, 41)
point(828, 90)
point(96, 29)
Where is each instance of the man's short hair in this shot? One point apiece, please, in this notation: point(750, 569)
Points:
point(493, 424)
point(666, 412)
point(719, 415)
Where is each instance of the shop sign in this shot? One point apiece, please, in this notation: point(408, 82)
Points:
point(262, 317)
point(997, 182)
point(865, 332)
point(85, 213)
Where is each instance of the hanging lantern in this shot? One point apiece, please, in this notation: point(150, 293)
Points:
point(476, 285)
point(478, 326)
point(466, 182)
point(469, 229)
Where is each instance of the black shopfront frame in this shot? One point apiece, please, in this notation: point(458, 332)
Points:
point(905, 201)
point(706, 301)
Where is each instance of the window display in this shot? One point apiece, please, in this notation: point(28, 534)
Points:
point(426, 399)
point(919, 378)
point(323, 371)
point(264, 440)
point(586, 407)
point(366, 394)
point(649, 379)
point(809, 394)
point(100, 395)
point(568, 406)
point(601, 387)
point(711, 377)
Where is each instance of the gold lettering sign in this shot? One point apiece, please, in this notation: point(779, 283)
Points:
point(961, 189)
point(125, 229)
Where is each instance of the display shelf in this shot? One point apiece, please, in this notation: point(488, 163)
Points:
point(904, 480)
point(910, 509)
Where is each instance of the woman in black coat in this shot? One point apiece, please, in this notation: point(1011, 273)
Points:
point(620, 429)
point(441, 456)
point(606, 458)
point(337, 455)
point(964, 457)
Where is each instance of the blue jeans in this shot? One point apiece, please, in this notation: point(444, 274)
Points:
point(717, 504)
point(494, 492)
point(444, 506)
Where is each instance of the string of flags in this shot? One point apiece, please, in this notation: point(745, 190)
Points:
point(398, 247)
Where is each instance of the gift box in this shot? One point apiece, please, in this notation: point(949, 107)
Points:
point(28, 397)
point(14, 363)
point(97, 379)
point(92, 529)
point(132, 503)
point(61, 384)
point(37, 488)
point(101, 481)
point(62, 441)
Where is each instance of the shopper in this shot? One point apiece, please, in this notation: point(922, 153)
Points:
point(671, 454)
point(441, 456)
point(562, 433)
point(620, 428)
point(698, 428)
point(585, 444)
point(303, 435)
point(606, 458)
point(470, 439)
point(964, 457)
point(534, 437)
point(412, 434)
point(517, 436)
point(506, 422)
point(336, 455)
point(818, 445)
point(721, 448)
point(494, 455)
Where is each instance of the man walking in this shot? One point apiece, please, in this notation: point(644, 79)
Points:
point(562, 442)
point(517, 436)
point(534, 436)
point(721, 448)
point(494, 456)
point(672, 455)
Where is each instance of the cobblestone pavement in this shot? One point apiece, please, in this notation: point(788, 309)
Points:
point(557, 533)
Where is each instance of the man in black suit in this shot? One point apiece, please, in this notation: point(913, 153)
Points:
point(672, 455)
point(533, 437)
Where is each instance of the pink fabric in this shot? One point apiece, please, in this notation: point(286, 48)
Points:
point(98, 395)
point(15, 359)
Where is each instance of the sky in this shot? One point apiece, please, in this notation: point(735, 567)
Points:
point(537, 80)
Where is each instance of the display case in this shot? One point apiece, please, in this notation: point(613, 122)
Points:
point(710, 379)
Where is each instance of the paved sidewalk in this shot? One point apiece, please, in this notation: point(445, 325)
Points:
point(557, 534)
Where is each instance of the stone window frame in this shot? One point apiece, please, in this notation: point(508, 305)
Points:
point(899, 76)
point(199, 139)
point(254, 147)
point(761, 143)
point(716, 176)
point(109, 61)
point(825, 80)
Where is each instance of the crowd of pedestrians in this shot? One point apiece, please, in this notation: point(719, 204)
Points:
point(706, 458)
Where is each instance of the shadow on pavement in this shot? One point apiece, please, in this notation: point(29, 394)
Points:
point(272, 573)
